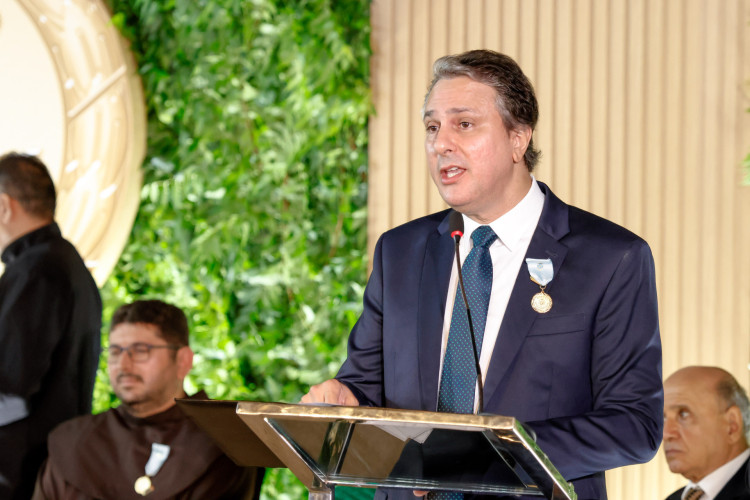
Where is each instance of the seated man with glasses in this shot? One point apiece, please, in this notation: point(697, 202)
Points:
point(146, 446)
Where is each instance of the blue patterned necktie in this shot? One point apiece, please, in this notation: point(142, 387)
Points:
point(459, 377)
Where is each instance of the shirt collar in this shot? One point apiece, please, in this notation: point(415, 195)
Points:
point(713, 483)
point(28, 240)
point(519, 221)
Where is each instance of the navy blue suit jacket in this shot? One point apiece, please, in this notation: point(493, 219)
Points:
point(586, 376)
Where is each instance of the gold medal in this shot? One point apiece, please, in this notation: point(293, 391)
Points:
point(540, 272)
point(143, 486)
point(541, 302)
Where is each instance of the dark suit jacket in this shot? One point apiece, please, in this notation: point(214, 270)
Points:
point(586, 376)
point(50, 322)
point(738, 488)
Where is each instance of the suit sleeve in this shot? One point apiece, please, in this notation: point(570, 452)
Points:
point(625, 424)
point(362, 371)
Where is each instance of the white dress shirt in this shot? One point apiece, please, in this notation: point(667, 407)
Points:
point(514, 230)
point(715, 482)
point(12, 409)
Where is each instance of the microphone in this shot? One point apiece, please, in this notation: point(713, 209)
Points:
point(456, 228)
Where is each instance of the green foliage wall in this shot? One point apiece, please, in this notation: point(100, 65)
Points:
point(252, 217)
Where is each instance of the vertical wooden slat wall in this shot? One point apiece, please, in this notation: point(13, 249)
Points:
point(642, 121)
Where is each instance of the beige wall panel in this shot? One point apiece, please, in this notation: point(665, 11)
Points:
point(582, 87)
point(642, 121)
point(738, 139)
point(709, 183)
point(597, 197)
point(633, 139)
point(420, 56)
point(673, 166)
point(560, 125)
point(692, 78)
point(379, 131)
point(491, 25)
point(653, 162)
point(734, 204)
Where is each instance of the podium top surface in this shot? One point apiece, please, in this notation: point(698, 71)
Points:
point(382, 416)
point(326, 445)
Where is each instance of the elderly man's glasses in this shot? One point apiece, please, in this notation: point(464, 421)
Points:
point(138, 352)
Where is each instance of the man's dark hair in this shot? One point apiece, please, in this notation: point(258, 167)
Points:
point(26, 179)
point(516, 101)
point(169, 320)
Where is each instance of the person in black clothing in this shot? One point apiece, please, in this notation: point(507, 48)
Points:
point(50, 324)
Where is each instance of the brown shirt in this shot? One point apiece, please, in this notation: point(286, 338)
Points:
point(101, 456)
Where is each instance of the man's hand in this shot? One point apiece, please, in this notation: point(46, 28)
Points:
point(334, 392)
point(331, 392)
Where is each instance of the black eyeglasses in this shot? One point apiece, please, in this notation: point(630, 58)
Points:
point(139, 352)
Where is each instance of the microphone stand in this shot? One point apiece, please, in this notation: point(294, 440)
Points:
point(480, 389)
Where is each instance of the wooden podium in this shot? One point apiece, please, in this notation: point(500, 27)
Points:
point(325, 446)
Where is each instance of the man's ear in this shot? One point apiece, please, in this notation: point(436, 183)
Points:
point(184, 361)
point(6, 208)
point(735, 428)
point(520, 138)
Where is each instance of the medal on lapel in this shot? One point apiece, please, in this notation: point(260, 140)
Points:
point(159, 453)
point(143, 486)
point(541, 273)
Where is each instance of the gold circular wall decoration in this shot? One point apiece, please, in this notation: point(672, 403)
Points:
point(69, 92)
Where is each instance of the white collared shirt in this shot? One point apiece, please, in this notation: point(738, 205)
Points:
point(714, 482)
point(12, 409)
point(514, 230)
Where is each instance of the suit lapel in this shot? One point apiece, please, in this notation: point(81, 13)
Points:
point(519, 316)
point(738, 486)
point(433, 290)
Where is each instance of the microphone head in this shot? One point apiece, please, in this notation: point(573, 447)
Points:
point(456, 225)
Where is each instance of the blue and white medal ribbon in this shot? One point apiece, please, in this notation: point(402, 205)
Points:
point(159, 454)
point(541, 273)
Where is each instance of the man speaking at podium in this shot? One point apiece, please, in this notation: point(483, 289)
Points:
point(562, 302)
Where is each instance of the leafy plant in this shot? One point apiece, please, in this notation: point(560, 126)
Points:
point(253, 207)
